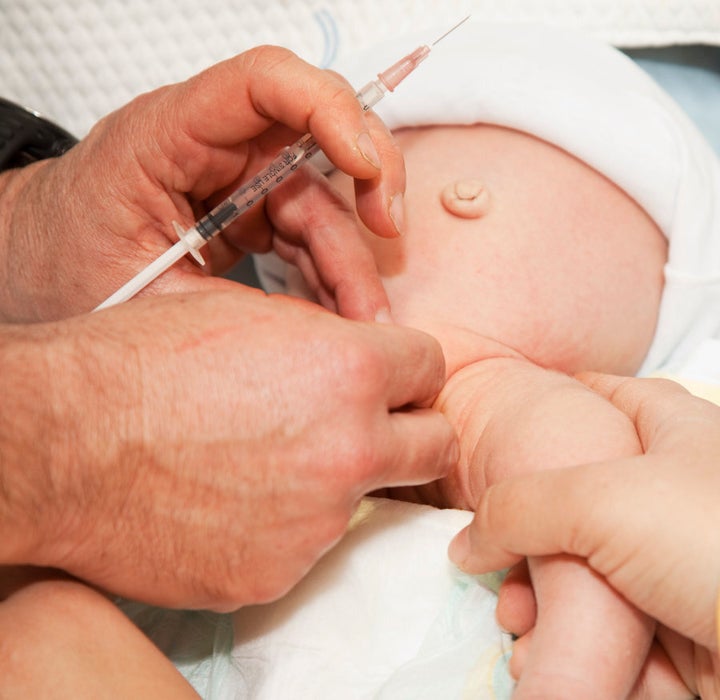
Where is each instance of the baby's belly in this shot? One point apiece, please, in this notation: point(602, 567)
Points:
point(563, 268)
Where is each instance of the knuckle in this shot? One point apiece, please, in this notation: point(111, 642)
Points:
point(277, 576)
point(365, 461)
point(341, 80)
point(363, 369)
point(359, 456)
point(268, 57)
point(335, 87)
point(328, 87)
point(310, 202)
point(338, 93)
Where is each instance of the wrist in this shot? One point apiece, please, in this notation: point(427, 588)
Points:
point(60, 434)
point(27, 459)
point(23, 277)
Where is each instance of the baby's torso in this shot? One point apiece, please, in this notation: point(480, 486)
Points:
point(514, 247)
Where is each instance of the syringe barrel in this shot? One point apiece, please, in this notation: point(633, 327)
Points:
point(215, 221)
point(286, 162)
point(254, 190)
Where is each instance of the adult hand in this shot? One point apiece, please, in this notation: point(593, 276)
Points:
point(648, 524)
point(74, 229)
point(203, 450)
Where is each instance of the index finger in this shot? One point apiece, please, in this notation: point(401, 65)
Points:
point(239, 98)
point(316, 231)
point(420, 446)
point(415, 365)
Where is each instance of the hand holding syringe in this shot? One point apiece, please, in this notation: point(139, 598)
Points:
point(254, 190)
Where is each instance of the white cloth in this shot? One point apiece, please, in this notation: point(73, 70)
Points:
point(703, 366)
point(75, 60)
point(384, 615)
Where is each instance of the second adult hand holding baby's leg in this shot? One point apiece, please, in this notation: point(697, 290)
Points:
point(514, 417)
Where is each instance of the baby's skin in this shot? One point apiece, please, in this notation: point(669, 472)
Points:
point(529, 267)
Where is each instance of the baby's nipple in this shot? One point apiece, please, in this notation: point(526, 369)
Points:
point(467, 199)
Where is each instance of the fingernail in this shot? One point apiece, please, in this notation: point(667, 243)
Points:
point(367, 149)
point(459, 548)
point(384, 316)
point(397, 213)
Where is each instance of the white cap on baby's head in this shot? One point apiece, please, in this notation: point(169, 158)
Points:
point(594, 102)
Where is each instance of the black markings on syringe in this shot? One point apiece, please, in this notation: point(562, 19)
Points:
point(218, 219)
point(214, 222)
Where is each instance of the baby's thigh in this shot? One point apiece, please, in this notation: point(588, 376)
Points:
point(61, 638)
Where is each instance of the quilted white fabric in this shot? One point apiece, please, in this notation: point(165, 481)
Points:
point(76, 60)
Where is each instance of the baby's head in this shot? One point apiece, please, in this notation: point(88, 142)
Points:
point(590, 101)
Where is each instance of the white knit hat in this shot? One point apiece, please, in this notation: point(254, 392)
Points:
point(592, 101)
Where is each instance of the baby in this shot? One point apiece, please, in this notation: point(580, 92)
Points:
point(546, 175)
point(529, 266)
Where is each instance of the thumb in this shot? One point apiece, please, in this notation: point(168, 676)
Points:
point(632, 521)
point(572, 510)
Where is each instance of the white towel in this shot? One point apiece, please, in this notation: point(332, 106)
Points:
point(384, 615)
point(75, 60)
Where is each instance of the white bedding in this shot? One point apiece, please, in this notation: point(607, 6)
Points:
point(384, 615)
point(76, 60)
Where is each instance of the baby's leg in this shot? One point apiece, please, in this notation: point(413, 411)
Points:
point(587, 642)
point(62, 639)
point(517, 613)
point(513, 418)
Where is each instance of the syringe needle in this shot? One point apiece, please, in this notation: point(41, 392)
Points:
point(450, 31)
point(391, 77)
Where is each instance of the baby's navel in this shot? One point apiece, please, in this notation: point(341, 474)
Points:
point(467, 199)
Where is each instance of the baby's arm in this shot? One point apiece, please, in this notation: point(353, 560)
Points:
point(514, 417)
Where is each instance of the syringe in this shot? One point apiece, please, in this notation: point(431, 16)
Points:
point(255, 189)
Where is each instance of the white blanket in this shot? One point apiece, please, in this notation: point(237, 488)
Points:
point(76, 60)
point(384, 615)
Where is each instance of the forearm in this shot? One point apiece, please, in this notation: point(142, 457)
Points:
point(55, 430)
point(26, 440)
